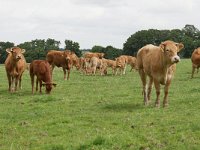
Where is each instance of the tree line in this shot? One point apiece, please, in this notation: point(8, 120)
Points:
point(38, 48)
point(189, 36)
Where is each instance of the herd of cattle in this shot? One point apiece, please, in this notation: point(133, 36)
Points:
point(158, 63)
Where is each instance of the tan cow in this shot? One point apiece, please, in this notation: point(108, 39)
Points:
point(84, 64)
point(60, 59)
point(41, 69)
point(15, 65)
point(90, 55)
point(159, 64)
point(132, 61)
point(121, 63)
point(94, 64)
point(74, 60)
point(195, 58)
point(111, 64)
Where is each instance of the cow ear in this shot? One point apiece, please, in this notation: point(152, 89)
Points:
point(179, 46)
point(162, 46)
point(8, 50)
point(23, 51)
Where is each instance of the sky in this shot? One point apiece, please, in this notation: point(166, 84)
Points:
point(92, 22)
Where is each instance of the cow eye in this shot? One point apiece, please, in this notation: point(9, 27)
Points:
point(167, 50)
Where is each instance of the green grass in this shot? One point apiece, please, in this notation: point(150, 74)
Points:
point(100, 113)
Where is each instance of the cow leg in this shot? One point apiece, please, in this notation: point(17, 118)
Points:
point(193, 70)
point(124, 69)
point(9, 82)
point(36, 84)
point(157, 86)
point(149, 88)
point(68, 72)
point(143, 77)
point(32, 83)
point(40, 86)
point(12, 84)
point(20, 80)
point(52, 67)
point(165, 101)
point(17, 82)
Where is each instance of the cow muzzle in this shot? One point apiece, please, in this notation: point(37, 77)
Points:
point(175, 59)
point(18, 57)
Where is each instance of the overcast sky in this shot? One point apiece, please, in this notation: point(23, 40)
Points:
point(92, 22)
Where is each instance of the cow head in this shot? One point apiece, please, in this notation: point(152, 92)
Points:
point(120, 61)
point(101, 55)
point(170, 50)
point(16, 52)
point(49, 87)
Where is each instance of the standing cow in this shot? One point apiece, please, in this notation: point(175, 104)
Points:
point(59, 59)
point(159, 64)
point(195, 58)
point(41, 69)
point(15, 65)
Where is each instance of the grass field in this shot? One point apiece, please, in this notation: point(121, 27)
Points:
point(100, 113)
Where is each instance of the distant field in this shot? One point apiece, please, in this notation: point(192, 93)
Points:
point(100, 113)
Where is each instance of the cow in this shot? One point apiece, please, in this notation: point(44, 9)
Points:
point(159, 64)
point(111, 64)
point(132, 61)
point(121, 63)
point(94, 64)
point(90, 55)
point(59, 59)
point(74, 60)
point(195, 58)
point(41, 69)
point(15, 65)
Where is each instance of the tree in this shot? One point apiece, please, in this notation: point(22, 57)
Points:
point(110, 52)
point(189, 36)
point(141, 38)
point(51, 44)
point(73, 46)
point(3, 47)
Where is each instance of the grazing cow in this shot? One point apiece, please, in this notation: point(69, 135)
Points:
point(59, 59)
point(15, 65)
point(121, 64)
point(159, 64)
point(132, 61)
point(90, 55)
point(195, 58)
point(41, 69)
point(111, 64)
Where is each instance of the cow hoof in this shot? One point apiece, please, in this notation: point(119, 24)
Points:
point(157, 105)
point(165, 105)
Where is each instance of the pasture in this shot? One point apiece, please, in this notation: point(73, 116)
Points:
point(99, 113)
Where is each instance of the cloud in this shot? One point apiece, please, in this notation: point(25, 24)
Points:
point(91, 22)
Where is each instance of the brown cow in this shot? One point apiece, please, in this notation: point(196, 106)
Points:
point(90, 55)
point(41, 69)
point(59, 59)
point(195, 58)
point(15, 65)
point(159, 64)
